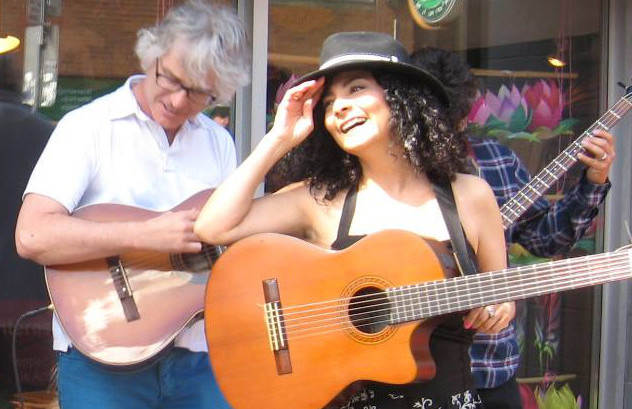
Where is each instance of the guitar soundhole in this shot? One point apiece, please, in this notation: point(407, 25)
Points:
point(369, 310)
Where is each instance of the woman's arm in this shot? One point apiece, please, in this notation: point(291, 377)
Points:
point(483, 226)
point(231, 213)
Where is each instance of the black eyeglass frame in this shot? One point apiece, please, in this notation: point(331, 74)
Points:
point(173, 85)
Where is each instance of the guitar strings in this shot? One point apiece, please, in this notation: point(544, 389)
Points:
point(328, 318)
point(372, 322)
point(336, 326)
point(325, 310)
point(386, 313)
point(489, 276)
point(152, 260)
point(482, 287)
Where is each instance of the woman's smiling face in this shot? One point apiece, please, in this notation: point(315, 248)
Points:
point(356, 112)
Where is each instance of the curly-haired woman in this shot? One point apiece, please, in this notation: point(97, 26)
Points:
point(368, 135)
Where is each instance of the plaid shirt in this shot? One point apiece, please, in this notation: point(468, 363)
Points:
point(544, 230)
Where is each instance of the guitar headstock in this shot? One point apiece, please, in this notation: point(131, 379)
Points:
point(628, 89)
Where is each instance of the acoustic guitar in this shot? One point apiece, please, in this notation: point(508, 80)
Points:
point(123, 311)
point(289, 324)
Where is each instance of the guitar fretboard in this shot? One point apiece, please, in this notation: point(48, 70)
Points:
point(433, 298)
point(540, 183)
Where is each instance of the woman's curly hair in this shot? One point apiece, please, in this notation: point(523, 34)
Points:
point(455, 75)
point(419, 126)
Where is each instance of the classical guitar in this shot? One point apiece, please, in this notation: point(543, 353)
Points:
point(124, 310)
point(289, 324)
point(532, 191)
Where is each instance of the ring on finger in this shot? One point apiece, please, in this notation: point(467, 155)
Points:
point(491, 312)
point(604, 157)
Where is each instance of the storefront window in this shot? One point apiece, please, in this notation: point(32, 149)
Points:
point(539, 61)
point(509, 44)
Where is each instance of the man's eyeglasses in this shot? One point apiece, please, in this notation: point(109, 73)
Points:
point(173, 85)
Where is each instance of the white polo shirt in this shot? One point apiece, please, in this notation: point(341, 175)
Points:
point(109, 151)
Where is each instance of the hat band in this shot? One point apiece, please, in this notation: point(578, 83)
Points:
point(357, 58)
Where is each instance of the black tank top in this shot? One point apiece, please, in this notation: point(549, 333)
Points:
point(451, 388)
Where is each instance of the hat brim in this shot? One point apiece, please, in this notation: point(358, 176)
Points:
point(400, 68)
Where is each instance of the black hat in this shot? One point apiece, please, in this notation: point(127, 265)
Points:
point(364, 49)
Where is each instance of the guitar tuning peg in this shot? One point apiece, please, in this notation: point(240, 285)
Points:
point(627, 89)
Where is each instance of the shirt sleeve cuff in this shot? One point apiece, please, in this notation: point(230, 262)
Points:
point(590, 193)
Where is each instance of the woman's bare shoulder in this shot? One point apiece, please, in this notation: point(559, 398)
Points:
point(320, 216)
point(312, 194)
point(473, 189)
point(471, 184)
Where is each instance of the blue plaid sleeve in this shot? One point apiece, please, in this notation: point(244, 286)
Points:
point(544, 230)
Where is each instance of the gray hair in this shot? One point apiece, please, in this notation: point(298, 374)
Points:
point(215, 40)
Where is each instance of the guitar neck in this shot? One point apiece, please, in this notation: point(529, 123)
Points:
point(433, 298)
point(533, 190)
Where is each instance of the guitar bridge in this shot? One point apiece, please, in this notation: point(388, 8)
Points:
point(123, 289)
point(275, 325)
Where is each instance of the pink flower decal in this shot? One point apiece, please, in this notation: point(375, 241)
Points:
point(533, 113)
point(547, 103)
point(527, 397)
point(480, 111)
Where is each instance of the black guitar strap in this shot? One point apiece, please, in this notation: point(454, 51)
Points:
point(461, 251)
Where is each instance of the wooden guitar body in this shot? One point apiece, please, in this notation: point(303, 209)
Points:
point(166, 289)
point(289, 324)
point(327, 347)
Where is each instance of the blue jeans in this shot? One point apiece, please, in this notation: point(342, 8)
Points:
point(180, 380)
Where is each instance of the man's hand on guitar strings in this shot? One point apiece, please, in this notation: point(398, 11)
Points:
point(171, 232)
point(601, 153)
point(490, 319)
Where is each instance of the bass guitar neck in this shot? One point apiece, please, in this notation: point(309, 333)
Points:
point(540, 183)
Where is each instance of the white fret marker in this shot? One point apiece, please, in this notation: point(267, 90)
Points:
point(527, 198)
point(560, 165)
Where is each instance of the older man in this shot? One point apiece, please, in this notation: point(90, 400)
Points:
point(144, 145)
